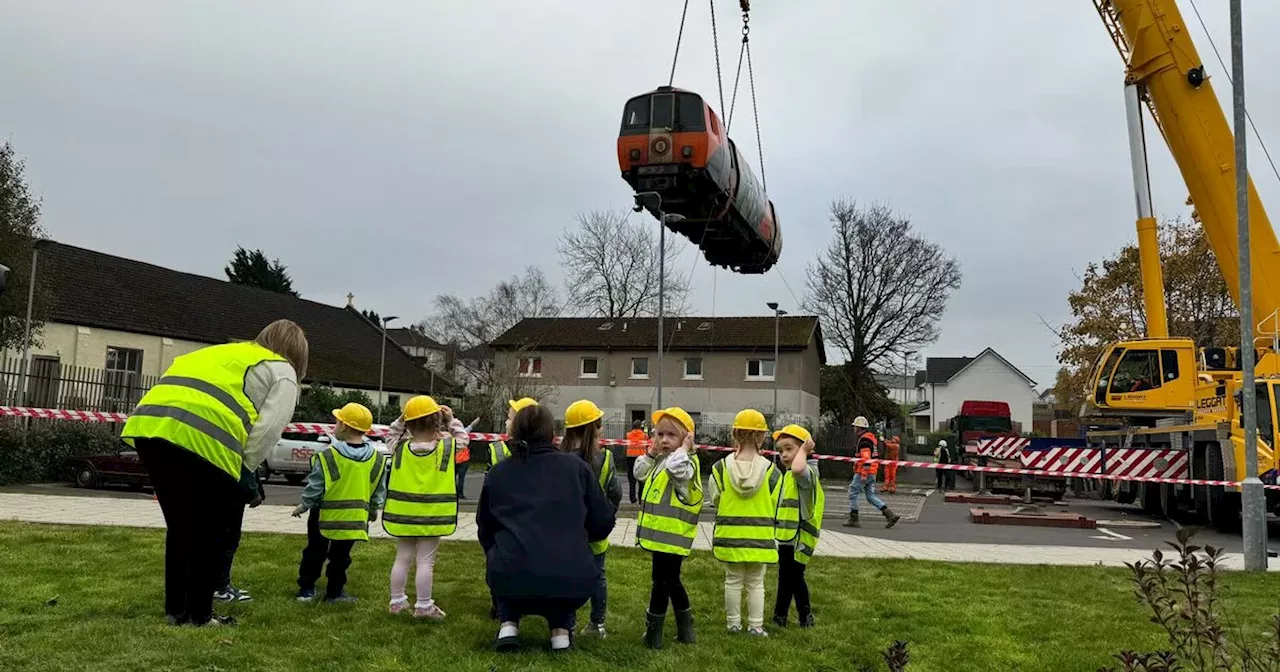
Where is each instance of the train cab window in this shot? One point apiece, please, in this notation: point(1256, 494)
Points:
point(715, 122)
point(690, 113)
point(1169, 364)
point(635, 117)
point(663, 114)
point(1138, 371)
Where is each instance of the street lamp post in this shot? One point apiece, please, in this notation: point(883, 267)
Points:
point(906, 379)
point(652, 201)
point(382, 365)
point(26, 328)
point(1252, 495)
point(777, 318)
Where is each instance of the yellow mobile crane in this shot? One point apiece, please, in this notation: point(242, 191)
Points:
point(1171, 395)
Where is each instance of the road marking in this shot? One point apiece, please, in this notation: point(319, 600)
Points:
point(1110, 536)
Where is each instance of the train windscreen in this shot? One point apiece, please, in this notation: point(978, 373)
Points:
point(675, 112)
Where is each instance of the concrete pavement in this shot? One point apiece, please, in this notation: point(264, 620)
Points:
point(836, 542)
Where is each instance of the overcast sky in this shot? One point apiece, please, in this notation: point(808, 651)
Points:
point(396, 150)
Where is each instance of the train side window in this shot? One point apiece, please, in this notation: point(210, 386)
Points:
point(1169, 364)
point(1138, 371)
point(689, 113)
point(663, 114)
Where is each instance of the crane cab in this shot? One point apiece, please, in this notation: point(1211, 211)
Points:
point(1147, 375)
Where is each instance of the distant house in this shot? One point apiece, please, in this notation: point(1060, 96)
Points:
point(429, 353)
point(126, 320)
point(900, 388)
point(713, 367)
point(946, 382)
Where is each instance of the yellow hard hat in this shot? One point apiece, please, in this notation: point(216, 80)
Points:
point(355, 416)
point(794, 431)
point(420, 407)
point(676, 413)
point(518, 405)
point(750, 419)
point(581, 412)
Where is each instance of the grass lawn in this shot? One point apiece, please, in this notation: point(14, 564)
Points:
point(108, 615)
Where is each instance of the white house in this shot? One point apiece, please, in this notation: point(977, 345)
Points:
point(900, 388)
point(947, 382)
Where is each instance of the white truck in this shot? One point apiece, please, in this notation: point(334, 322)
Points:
point(291, 456)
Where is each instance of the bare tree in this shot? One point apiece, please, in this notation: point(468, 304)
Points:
point(879, 288)
point(478, 320)
point(611, 268)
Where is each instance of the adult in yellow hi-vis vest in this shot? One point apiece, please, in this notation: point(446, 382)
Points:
point(213, 415)
point(800, 506)
point(422, 499)
point(668, 519)
point(346, 487)
point(744, 489)
point(583, 430)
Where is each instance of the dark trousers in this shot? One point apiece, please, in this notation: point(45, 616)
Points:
point(667, 587)
point(320, 548)
point(791, 584)
point(232, 545)
point(558, 612)
point(631, 477)
point(199, 501)
point(460, 478)
point(946, 479)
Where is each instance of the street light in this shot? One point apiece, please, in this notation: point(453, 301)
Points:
point(777, 318)
point(26, 328)
point(906, 374)
point(652, 201)
point(382, 366)
point(1252, 495)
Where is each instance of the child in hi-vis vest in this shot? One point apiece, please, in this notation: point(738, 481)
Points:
point(346, 487)
point(744, 489)
point(582, 433)
point(422, 498)
point(799, 522)
point(668, 520)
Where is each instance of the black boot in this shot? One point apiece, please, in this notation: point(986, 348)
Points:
point(806, 621)
point(653, 630)
point(780, 620)
point(684, 627)
point(853, 520)
point(890, 517)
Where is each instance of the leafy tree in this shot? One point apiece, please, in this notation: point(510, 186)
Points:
point(611, 268)
point(372, 316)
point(1108, 306)
point(253, 269)
point(19, 229)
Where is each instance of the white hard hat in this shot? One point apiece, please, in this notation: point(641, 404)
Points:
point(943, 443)
point(860, 421)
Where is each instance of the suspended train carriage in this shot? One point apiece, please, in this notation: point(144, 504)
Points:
point(672, 143)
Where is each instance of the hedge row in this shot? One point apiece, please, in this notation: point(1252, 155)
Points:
point(42, 454)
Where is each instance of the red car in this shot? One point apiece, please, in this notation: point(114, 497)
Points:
point(124, 468)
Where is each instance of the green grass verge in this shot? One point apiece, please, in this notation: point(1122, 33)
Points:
point(108, 616)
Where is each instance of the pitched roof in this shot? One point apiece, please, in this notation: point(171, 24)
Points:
point(681, 333)
point(93, 289)
point(411, 337)
point(940, 370)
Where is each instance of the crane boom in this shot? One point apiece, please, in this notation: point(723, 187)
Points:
point(1162, 59)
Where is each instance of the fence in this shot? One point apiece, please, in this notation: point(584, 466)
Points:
point(50, 384)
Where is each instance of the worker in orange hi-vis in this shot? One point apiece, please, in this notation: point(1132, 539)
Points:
point(891, 452)
point(637, 443)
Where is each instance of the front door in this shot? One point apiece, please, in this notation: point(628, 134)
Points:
point(637, 414)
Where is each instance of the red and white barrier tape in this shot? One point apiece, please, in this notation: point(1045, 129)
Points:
point(381, 430)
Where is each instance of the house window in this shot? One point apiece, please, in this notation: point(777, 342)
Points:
point(693, 368)
point(760, 369)
point(639, 367)
point(121, 387)
point(393, 400)
point(530, 367)
point(697, 418)
point(589, 368)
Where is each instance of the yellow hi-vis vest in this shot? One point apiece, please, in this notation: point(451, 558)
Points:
point(498, 451)
point(666, 524)
point(744, 525)
point(422, 497)
point(348, 489)
point(199, 404)
point(789, 528)
point(606, 475)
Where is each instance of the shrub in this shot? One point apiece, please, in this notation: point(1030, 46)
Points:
point(39, 451)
